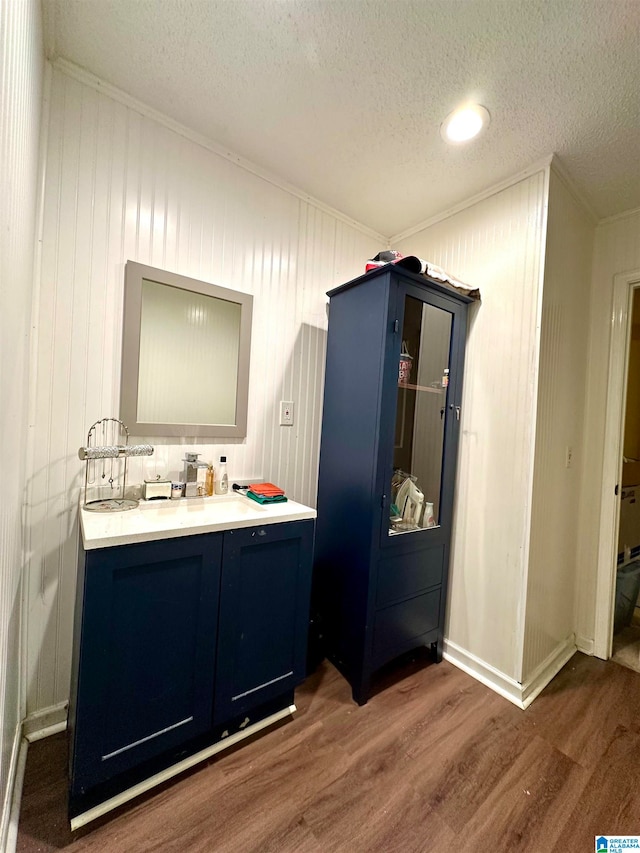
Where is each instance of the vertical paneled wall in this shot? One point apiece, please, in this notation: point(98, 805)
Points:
point(551, 582)
point(21, 74)
point(617, 250)
point(121, 185)
point(496, 245)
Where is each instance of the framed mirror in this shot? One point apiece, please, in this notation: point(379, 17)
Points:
point(185, 356)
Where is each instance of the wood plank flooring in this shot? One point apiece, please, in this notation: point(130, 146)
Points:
point(434, 762)
point(626, 644)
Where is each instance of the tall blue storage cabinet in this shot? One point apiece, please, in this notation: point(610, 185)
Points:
point(391, 419)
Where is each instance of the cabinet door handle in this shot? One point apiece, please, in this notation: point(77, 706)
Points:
point(457, 413)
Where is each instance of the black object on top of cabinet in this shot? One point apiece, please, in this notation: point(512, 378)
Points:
point(179, 643)
point(391, 418)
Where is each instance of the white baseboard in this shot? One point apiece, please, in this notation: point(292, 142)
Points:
point(585, 644)
point(146, 785)
point(519, 694)
point(13, 794)
point(44, 723)
point(36, 726)
point(547, 670)
point(507, 687)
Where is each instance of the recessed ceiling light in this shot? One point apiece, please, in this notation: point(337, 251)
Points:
point(464, 123)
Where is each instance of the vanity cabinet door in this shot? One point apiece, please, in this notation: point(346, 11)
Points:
point(264, 615)
point(146, 660)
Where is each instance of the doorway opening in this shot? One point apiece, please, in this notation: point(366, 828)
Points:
point(624, 290)
point(626, 617)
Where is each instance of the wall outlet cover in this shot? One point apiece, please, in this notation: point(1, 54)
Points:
point(286, 413)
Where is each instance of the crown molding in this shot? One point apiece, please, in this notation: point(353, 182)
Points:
point(539, 166)
point(551, 161)
point(89, 79)
point(626, 214)
point(558, 168)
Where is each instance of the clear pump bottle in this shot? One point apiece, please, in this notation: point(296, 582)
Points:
point(222, 479)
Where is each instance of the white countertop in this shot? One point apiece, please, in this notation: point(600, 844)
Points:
point(168, 519)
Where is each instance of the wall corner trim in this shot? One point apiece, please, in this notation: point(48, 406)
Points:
point(519, 694)
point(586, 645)
point(548, 669)
point(483, 672)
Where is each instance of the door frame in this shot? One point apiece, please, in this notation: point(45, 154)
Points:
point(624, 285)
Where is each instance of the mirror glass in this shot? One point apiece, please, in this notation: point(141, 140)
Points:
point(185, 364)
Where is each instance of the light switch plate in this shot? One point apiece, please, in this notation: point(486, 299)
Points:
point(286, 413)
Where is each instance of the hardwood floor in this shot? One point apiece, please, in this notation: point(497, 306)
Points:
point(434, 762)
point(626, 643)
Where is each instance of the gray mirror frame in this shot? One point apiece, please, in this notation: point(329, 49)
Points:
point(135, 273)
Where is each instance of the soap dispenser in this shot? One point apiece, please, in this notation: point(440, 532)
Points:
point(222, 480)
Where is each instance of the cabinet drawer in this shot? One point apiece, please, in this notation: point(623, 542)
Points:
point(399, 627)
point(407, 575)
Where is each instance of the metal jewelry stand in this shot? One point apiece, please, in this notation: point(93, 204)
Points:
point(108, 430)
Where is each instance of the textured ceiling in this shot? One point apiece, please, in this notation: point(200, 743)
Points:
point(344, 98)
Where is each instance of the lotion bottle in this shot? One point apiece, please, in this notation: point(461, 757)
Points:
point(222, 480)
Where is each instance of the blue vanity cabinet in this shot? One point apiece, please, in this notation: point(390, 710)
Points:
point(390, 427)
point(264, 615)
point(179, 644)
point(144, 657)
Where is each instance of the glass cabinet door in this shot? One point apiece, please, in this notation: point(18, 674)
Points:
point(423, 379)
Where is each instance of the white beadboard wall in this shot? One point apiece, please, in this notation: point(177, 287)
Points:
point(122, 185)
point(21, 87)
point(497, 245)
point(617, 250)
point(551, 584)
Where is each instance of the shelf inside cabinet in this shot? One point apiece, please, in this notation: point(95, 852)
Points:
point(427, 388)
